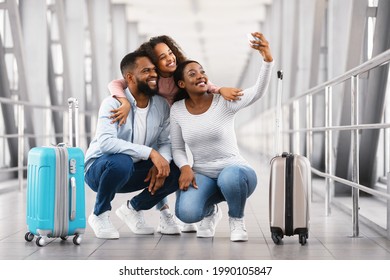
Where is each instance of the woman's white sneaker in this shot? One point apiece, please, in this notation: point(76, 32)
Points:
point(237, 229)
point(102, 226)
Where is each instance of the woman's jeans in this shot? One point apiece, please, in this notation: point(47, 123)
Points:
point(233, 185)
point(117, 173)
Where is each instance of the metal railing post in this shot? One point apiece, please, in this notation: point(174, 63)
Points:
point(296, 136)
point(48, 121)
point(355, 152)
point(328, 149)
point(309, 134)
point(20, 145)
point(388, 206)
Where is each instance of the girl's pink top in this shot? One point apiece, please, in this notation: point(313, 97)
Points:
point(166, 88)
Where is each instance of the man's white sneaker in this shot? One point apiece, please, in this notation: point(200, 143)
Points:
point(237, 229)
point(102, 226)
point(167, 224)
point(207, 226)
point(134, 220)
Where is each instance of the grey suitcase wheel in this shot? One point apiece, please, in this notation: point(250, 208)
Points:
point(302, 239)
point(64, 237)
point(276, 238)
point(29, 236)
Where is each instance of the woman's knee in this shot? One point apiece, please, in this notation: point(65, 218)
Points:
point(187, 211)
point(187, 216)
point(238, 176)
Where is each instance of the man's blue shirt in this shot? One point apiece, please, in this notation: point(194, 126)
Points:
point(110, 138)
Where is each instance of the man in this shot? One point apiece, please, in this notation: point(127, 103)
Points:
point(134, 156)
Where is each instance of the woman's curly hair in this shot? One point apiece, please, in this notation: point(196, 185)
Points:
point(178, 75)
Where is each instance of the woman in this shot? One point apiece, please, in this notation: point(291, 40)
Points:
point(166, 54)
point(205, 122)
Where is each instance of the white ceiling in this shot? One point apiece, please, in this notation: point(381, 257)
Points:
point(212, 32)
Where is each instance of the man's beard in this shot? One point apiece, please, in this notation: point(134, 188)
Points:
point(144, 88)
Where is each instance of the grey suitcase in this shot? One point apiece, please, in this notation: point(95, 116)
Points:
point(289, 191)
point(289, 197)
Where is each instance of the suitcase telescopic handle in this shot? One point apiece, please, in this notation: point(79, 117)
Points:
point(278, 141)
point(73, 105)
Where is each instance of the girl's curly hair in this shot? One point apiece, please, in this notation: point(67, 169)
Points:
point(175, 48)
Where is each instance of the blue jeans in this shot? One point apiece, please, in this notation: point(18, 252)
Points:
point(233, 185)
point(117, 173)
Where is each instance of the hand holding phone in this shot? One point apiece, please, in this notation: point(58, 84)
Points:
point(252, 38)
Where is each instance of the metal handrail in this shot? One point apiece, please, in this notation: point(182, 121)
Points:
point(29, 104)
point(340, 127)
point(352, 184)
point(354, 127)
point(39, 106)
point(374, 62)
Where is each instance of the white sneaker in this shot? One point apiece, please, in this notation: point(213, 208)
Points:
point(102, 226)
point(184, 227)
point(188, 227)
point(237, 229)
point(134, 220)
point(208, 224)
point(167, 224)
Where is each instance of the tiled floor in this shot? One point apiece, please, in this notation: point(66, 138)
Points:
point(329, 237)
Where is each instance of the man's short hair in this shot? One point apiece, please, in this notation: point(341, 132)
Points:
point(128, 63)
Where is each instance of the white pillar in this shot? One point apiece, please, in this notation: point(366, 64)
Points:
point(75, 20)
point(100, 30)
point(119, 37)
point(133, 36)
point(35, 39)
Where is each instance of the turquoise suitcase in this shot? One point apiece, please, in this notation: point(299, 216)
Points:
point(55, 194)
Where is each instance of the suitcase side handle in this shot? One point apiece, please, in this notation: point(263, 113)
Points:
point(72, 198)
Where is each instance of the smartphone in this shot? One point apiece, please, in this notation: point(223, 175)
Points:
point(252, 38)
